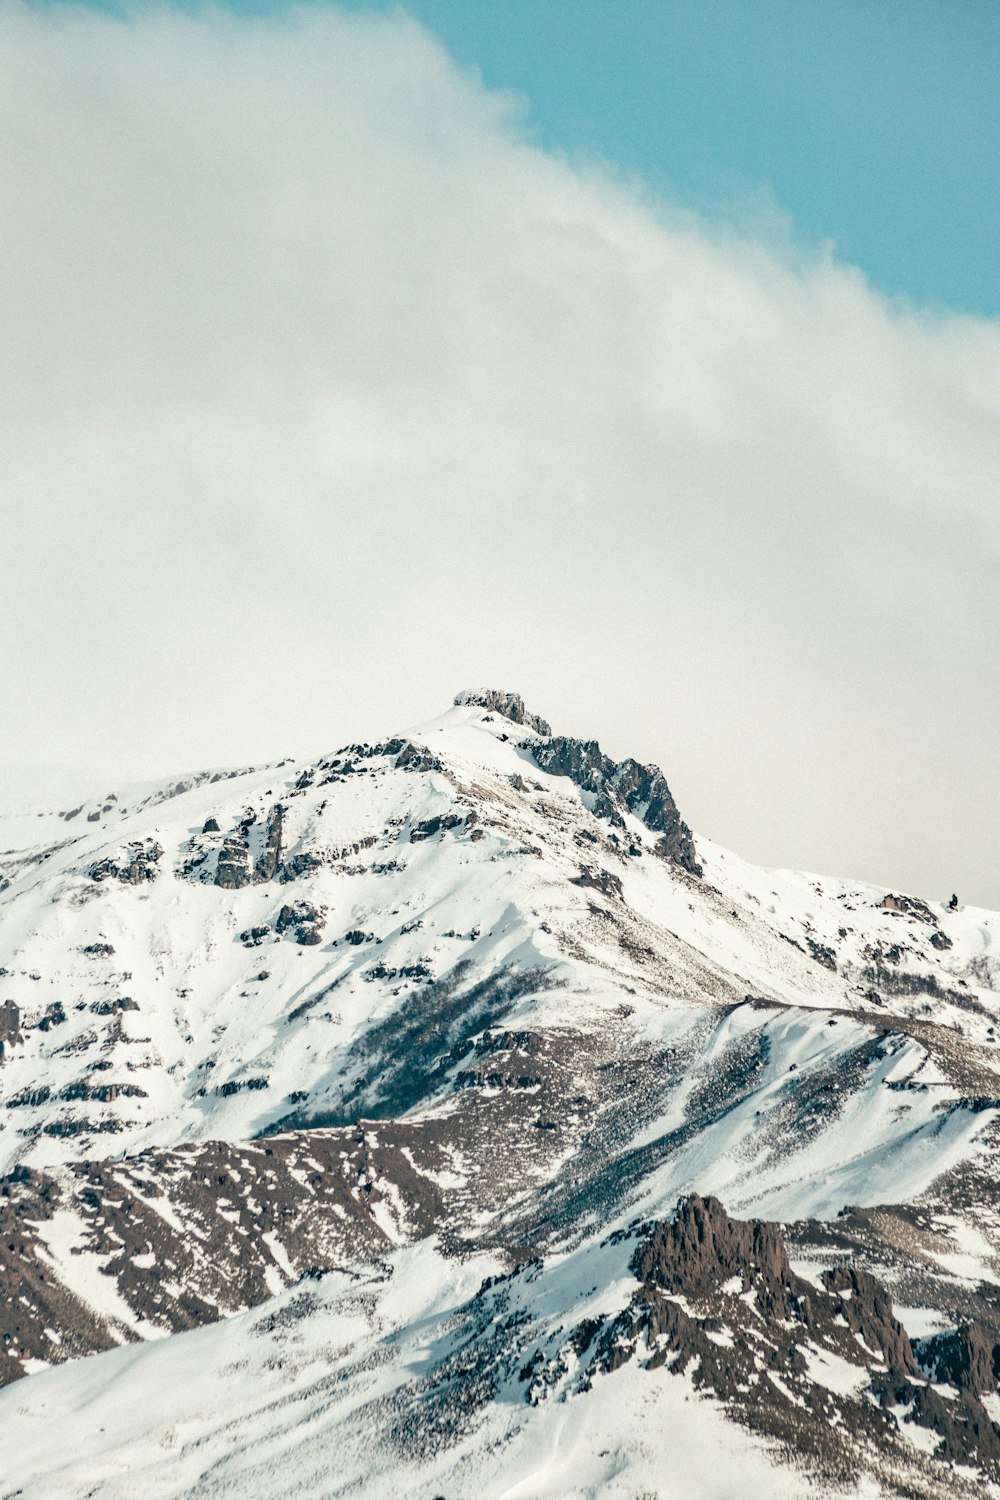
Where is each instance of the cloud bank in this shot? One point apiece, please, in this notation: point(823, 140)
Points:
point(326, 393)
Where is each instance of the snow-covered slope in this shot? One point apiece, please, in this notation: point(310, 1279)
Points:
point(481, 984)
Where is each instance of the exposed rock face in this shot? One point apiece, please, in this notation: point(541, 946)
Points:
point(601, 880)
point(908, 906)
point(967, 1357)
point(266, 867)
point(432, 826)
point(702, 1247)
point(618, 785)
point(867, 1308)
point(302, 921)
point(10, 1027)
point(235, 867)
point(137, 864)
point(417, 758)
point(232, 871)
point(508, 705)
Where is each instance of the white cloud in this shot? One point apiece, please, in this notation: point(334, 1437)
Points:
point(326, 393)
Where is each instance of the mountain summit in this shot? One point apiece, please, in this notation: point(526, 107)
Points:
point(509, 705)
point(436, 1113)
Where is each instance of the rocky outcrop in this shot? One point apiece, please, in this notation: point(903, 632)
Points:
point(134, 866)
point(507, 705)
point(866, 1307)
point(235, 867)
point(10, 1027)
point(701, 1251)
point(417, 758)
point(269, 860)
point(619, 786)
point(967, 1357)
point(701, 1248)
point(908, 906)
point(232, 870)
point(301, 921)
point(599, 880)
point(432, 826)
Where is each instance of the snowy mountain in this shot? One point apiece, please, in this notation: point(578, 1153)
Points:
point(471, 1127)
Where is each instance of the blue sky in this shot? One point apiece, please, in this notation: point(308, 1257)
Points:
point(872, 124)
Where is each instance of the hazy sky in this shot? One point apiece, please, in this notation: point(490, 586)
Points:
point(329, 390)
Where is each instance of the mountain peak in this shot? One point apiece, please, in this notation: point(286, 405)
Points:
point(509, 705)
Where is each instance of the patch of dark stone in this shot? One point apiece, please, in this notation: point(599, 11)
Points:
point(54, 1015)
point(10, 1027)
point(301, 921)
point(599, 880)
point(908, 906)
point(297, 866)
point(237, 1085)
point(233, 869)
point(433, 826)
point(419, 973)
point(105, 1093)
point(404, 754)
point(482, 1079)
point(113, 1007)
point(137, 865)
point(252, 937)
point(510, 1053)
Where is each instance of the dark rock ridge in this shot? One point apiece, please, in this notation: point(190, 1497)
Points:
point(717, 1299)
point(702, 1248)
point(619, 785)
point(508, 705)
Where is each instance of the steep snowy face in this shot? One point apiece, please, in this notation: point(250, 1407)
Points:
point(310, 942)
point(479, 982)
point(227, 954)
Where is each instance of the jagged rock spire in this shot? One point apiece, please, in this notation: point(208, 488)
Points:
point(510, 705)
